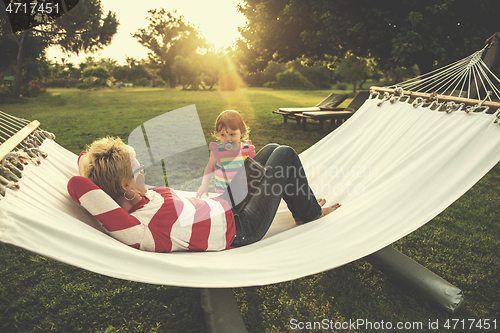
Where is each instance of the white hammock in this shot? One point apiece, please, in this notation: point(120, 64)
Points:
point(393, 168)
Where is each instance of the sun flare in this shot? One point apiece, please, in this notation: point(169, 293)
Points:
point(217, 20)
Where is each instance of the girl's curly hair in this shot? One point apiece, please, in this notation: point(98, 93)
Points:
point(231, 119)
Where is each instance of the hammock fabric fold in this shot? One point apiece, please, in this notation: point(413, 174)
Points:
point(393, 168)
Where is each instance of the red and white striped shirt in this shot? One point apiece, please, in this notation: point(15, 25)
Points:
point(162, 222)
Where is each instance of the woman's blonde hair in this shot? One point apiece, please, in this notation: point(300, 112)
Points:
point(233, 120)
point(108, 164)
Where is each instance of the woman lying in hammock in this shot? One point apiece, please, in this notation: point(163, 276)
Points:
point(159, 220)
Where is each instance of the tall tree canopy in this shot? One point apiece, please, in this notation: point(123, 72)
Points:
point(400, 33)
point(84, 28)
point(9, 49)
point(168, 36)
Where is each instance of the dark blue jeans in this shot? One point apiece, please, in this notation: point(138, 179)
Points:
point(285, 178)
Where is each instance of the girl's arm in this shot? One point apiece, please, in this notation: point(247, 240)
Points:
point(207, 176)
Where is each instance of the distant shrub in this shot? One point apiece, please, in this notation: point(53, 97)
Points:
point(271, 84)
point(98, 72)
point(316, 72)
point(143, 82)
point(84, 86)
point(272, 70)
point(33, 88)
point(159, 83)
point(254, 79)
point(293, 79)
point(95, 77)
point(300, 73)
point(5, 90)
point(341, 86)
point(61, 83)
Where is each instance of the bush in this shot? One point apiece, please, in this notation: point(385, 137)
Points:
point(5, 90)
point(92, 83)
point(142, 82)
point(293, 79)
point(272, 70)
point(159, 83)
point(33, 88)
point(84, 85)
point(316, 72)
point(271, 84)
point(320, 76)
point(342, 86)
point(254, 79)
point(97, 72)
point(95, 77)
point(61, 83)
point(299, 73)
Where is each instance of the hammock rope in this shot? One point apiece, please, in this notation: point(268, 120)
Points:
point(20, 142)
point(458, 79)
point(468, 81)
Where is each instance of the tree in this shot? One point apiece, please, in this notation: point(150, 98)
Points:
point(212, 64)
point(353, 69)
point(95, 77)
point(8, 44)
point(33, 52)
point(187, 70)
point(168, 36)
point(108, 63)
point(120, 73)
point(403, 32)
point(84, 28)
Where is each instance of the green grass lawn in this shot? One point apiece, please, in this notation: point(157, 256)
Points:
point(37, 294)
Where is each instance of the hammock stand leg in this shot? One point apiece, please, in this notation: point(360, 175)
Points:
point(411, 274)
point(491, 59)
point(222, 314)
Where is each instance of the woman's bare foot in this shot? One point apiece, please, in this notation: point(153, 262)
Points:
point(330, 209)
point(325, 211)
point(321, 202)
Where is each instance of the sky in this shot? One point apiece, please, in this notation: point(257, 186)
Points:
point(218, 21)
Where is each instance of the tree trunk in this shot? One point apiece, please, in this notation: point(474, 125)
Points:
point(361, 84)
point(172, 81)
point(16, 89)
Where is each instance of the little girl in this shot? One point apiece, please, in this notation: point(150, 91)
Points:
point(227, 156)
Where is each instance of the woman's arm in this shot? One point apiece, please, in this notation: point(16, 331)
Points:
point(81, 162)
point(119, 223)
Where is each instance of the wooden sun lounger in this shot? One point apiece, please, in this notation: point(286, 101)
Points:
point(336, 116)
point(328, 104)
